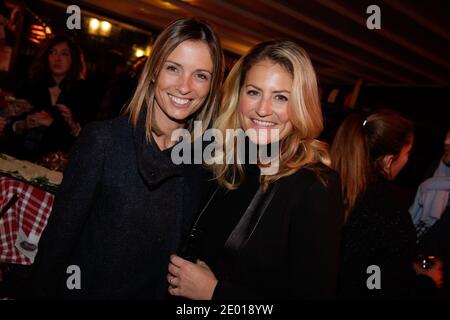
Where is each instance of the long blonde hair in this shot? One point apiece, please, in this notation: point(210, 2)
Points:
point(360, 146)
point(300, 148)
point(173, 35)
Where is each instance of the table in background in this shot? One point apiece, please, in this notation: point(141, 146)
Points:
point(24, 212)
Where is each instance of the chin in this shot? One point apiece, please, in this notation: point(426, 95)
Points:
point(260, 137)
point(180, 114)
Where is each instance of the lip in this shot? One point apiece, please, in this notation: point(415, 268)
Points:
point(176, 101)
point(262, 124)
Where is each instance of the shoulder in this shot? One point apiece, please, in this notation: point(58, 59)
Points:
point(107, 132)
point(315, 176)
point(314, 187)
point(378, 206)
point(381, 194)
point(107, 127)
point(314, 197)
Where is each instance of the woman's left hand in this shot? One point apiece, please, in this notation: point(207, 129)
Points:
point(66, 113)
point(68, 117)
point(190, 280)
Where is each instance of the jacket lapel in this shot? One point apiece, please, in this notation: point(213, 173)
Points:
point(250, 220)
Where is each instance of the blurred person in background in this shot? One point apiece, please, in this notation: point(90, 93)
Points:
point(431, 212)
point(121, 85)
point(369, 152)
point(59, 98)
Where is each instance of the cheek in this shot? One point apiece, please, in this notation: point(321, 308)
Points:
point(202, 89)
point(245, 105)
point(163, 82)
point(68, 61)
point(405, 161)
point(399, 164)
point(283, 114)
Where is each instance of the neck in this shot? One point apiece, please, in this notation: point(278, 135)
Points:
point(58, 79)
point(166, 126)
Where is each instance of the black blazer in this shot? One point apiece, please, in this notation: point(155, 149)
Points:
point(122, 209)
point(292, 253)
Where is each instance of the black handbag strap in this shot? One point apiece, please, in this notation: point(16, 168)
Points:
point(205, 207)
point(189, 249)
point(250, 219)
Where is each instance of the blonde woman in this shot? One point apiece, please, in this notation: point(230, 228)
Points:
point(123, 204)
point(268, 236)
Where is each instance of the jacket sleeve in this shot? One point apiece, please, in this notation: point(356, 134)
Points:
point(315, 237)
point(70, 211)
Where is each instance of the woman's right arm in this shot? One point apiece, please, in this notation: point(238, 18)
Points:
point(70, 212)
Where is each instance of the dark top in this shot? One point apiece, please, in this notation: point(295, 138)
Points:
point(122, 209)
point(292, 253)
point(36, 142)
point(379, 232)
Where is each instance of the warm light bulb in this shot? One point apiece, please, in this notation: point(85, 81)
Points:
point(105, 26)
point(139, 53)
point(94, 24)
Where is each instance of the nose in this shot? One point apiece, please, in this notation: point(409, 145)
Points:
point(183, 85)
point(56, 57)
point(264, 108)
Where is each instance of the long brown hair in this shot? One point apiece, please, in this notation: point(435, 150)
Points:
point(40, 67)
point(300, 148)
point(177, 32)
point(360, 145)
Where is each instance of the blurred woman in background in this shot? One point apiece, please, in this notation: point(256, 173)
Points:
point(368, 153)
point(59, 98)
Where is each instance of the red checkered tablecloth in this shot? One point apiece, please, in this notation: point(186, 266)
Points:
point(22, 224)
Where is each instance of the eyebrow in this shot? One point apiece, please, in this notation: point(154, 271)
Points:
point(179, 65)
point(62, 50)
point(276, 91)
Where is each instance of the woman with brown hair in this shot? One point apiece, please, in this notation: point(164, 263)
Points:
point(123, 205)
point(268, 234)
point(379, 237)
point(60, 99)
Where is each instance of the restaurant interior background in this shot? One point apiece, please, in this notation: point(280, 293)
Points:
point(403, 65)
